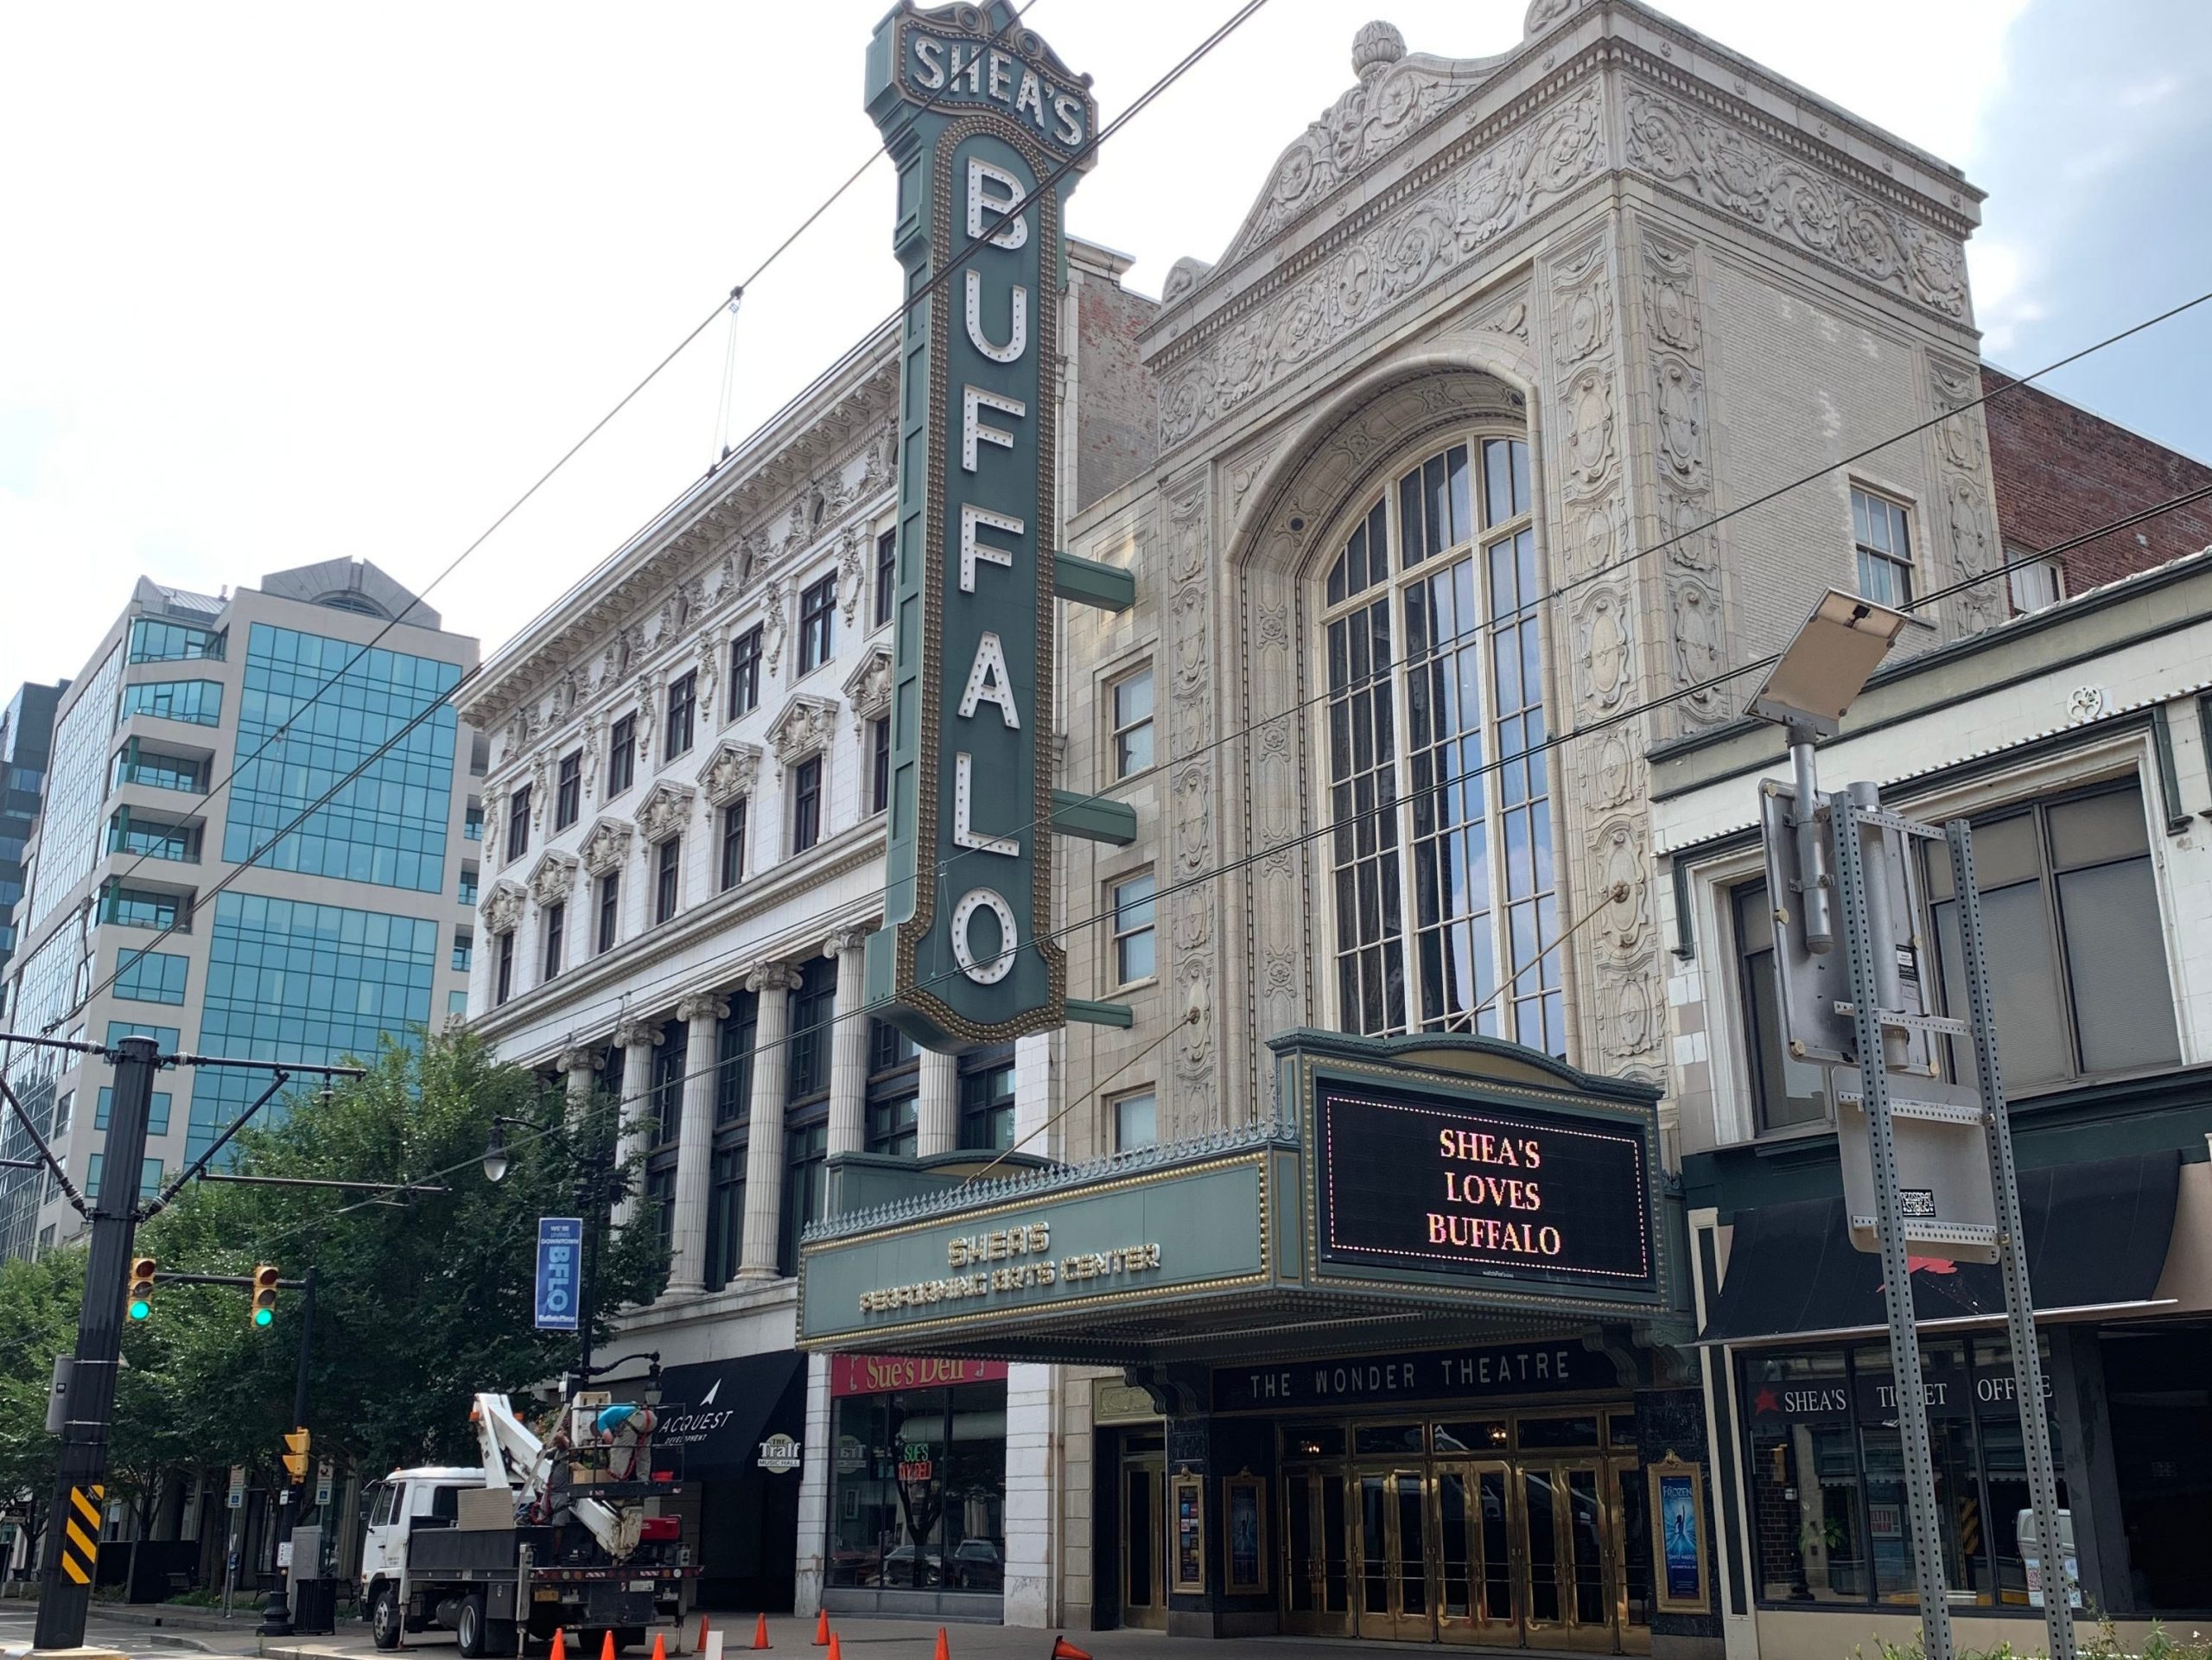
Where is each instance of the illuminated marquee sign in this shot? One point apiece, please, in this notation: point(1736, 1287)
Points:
point(978, 112)
point(1481, 1191)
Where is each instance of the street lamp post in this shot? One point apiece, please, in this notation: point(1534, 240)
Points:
point(598, 1189)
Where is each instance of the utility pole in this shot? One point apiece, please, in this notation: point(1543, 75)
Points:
point(79, 1492)
point(276, 1612)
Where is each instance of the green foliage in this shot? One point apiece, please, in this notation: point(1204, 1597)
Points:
point(418, 1305)
point(2105, 1645)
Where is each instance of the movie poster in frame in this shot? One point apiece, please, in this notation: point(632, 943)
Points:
point(1244, 1534)
point(1678, 1536)
point(1186, 1515)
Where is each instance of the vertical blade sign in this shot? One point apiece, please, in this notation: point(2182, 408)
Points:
point(977, 113)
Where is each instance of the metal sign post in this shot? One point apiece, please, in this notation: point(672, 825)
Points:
point(1866, 950)
point(2019, 1301)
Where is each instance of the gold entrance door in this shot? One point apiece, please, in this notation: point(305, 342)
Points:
point(1394, 1555)
point(1144, 1539)
point(1316, 1596)
point(1478, 1589)
point(1632, 1552)
point(1567, 1526)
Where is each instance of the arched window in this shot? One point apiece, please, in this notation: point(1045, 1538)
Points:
point(1440, 790)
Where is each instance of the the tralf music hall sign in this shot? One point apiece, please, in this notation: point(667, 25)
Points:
point(1413, 1189)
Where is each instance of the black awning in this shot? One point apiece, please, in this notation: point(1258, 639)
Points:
point(2097, 1234)
point(714, 1416)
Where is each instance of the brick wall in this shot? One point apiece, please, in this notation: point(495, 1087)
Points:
point(1116, 411)
point(2060, 470)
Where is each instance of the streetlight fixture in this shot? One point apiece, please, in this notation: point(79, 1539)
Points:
point(496, 1161)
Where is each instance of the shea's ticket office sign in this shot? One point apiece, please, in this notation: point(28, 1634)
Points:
point(979, 116)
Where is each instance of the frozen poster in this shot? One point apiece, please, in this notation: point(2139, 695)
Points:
point(1685, 1579)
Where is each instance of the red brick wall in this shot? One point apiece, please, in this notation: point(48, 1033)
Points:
point(2060, 470)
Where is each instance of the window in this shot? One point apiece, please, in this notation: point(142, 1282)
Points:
point(745, 672)
point(894, 1090)
point(660, 1194)
point(622, 756)
point(817, 612)
point(199, 703)
point(814, 1006)
point(518, 842)
point(139, 907)
point(609, 905)
point(2076, 941)
point(2035, 581)
point(892, 1126)
point(464, 950)
point(1885, 544)
point(664, 1096)
point(149, 1177)
point(151, 977)
point(457, 1003)
point(472, 825)
point(806, 803)
point(667, 874)
point(158, 1114)
point(886, 576)
point(1439, 797)
point(682, 705)
point(1132, 723)
point(734, 1060)
point(733, 865)
point(1136, 1121)
point(153, 838)
point(806, 1187)
point(2160, 1429)
point(504, 984)
point(1132, 930)
point(467, 890)
point(135, 763)
point(878, 773)
point(1828, 1473)
point(155, 641)
point(987, 1105)
point(554, 924)
point(568, 790)
point(726, 1215)
point(1784, 1091)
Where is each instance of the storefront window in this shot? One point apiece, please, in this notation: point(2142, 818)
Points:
point(2159, 1385)
point(920, 1490)
point(1825, 1458)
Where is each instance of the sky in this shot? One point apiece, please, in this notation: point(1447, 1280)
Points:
point(284, 283)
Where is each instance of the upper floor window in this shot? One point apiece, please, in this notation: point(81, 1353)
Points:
point(472, 825)
point(987, 1106)
point(1132, 702)
point(568, 792)
point(879, 768)
point(2033, 580)
point(2073, 931)
point(622, 756)
point(553, 923)
point(1439, 793)
point(733, 844)
point(503, 979)
point(153, 640)
point(518, 842)
point(806, 803)
point(1134, 930)
point(607, 927)
point(745, 672)
point(813, 1010)
point(667, 877)
point(1883, 536)
point(1784, 1091)
point(1136, 1120)
point(893, 1091)
point(683, 707)
point(197, 701)
point(817, 617)
point(886, 576)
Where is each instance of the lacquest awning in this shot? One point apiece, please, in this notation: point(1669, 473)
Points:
point(2097, 1237)
point(714, 1415)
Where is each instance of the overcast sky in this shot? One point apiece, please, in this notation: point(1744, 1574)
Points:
point(284, 282)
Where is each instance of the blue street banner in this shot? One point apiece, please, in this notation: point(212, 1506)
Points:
point(560, 1266)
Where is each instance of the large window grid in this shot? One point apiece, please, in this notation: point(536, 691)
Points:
point(733, 1036)
point(135, 763)
point(69, 843)
point(152, 839)
point(817, 624)
point(196, 702)
point(894, 1090)
point(153, 640)
point(987, 1101)
point(1438, 790)
point(621, 756)
point(683, 710)
point(568, 793)
point(1882, 539)
point(745, 672)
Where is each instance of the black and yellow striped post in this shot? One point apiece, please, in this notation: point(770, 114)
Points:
point(80, 1535)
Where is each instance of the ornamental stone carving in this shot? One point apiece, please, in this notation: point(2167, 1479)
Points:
point(805, 727)
point(732, 772)
point(772, 976)
point(848, 574)
point(550, 883)
point(1803, 204)
point(606, 845)
point(1962, 513)
point(665, 811)
point(868, 689)
point(629, 1034)
point(1604, 661)
point(702, 1006)
point(502, 907)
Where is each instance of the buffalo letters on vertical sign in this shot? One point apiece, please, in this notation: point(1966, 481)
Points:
point(978, 113)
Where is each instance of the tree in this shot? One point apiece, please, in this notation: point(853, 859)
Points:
point(39, 1302)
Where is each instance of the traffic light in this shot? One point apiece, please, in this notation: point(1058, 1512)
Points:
point(139, 1303)
point(295, 1456)
point(264, 1296)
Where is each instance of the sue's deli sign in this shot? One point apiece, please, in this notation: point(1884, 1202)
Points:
point(979, 116)
point(881, 1374)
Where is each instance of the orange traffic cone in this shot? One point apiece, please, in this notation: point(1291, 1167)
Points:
point(702, 1649)
point(821, 1628)
point(660, 1649)
point(1063, 1650)
point(560, 1645)
point(759, 1631)
point(835, 1652)
point(606, 1647)
point(943, 1652)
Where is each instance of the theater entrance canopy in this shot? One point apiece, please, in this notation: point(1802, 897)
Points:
point(1417, 1189)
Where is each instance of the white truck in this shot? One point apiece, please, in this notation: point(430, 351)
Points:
point(540, 1534)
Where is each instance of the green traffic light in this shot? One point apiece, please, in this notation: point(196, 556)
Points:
point(263, 1316)
point(140, 1308)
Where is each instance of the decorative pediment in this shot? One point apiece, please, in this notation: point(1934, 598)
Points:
point(605, 848)
point(667, 809)
point(1397, 95)
point(732, 772)
point(804, 728)
point(555, 876)
point(502, 907)
point(868, 689)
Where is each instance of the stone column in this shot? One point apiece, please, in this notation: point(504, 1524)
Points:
point(1034, 1129)
point(579, 1072)
point(814, 1488)
point(695, 1140)
point(937, 1117)
point(638, 1039)
point(848, 1045)
point(772, 984)
point(1031, 1570)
